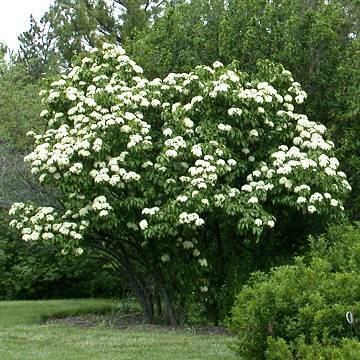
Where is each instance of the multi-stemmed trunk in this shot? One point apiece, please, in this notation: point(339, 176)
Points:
point(146, 282)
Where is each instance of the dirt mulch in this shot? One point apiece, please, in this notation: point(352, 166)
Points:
point(134, 321)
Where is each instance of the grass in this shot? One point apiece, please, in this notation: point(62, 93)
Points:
point(23, 336)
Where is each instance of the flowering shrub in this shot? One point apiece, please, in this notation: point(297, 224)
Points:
point(149, 167)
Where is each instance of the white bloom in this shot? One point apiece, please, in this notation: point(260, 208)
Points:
point(233, 192)
point(196, 252)
point(150, 211)
point(138, 69)
point(224, 127)
point(234, 111)
point(289, 107)
point(217, 64)
point(288, 184)
point(79, 251)
point(155, 102)
point(171, 153)
point(302, 188)
point(330, 172)
point(258, 222)
point(44, 113)
point(247, 188)
point(125, 129)
point(97, 145)
point(86, 60)
point(196, 99)
point(334, 202)
point(103, 213)
point(76, 168)
point(147, 164)
point(196, 150)
point(311, 209)
point(253, 200)
point(47, 236)
point(220, 87)
point(188, 123)
point(182, 198)
point(131, 175)
point(271, 223)
point(30, 133)
point(71, 93)
point(203, 262)
point(167, 132)
point(301, 200)
point(288, 98)
point(143, 224)
point(315, 197)
point(199, 222)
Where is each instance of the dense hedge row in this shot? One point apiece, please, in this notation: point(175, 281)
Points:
point(298, 310)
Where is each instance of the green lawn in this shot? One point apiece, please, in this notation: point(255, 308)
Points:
point(22, 336)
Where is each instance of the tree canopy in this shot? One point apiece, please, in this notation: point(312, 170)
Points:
point(158, 173)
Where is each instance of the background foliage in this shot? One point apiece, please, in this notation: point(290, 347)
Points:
point(35, 271)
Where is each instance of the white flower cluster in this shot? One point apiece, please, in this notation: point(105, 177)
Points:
point(44, 223)
point(143, 224)
point(192, 218)
point(174, 144)
point(101, 205)
point(150, 211)
point(287, 164)
point(206, 171)
point(234, 112)
point(127, 142)
point(310, 134)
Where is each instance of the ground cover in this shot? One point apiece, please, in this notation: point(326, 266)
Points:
point(25, 334)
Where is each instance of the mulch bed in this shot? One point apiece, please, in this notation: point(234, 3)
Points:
point(133, 321)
